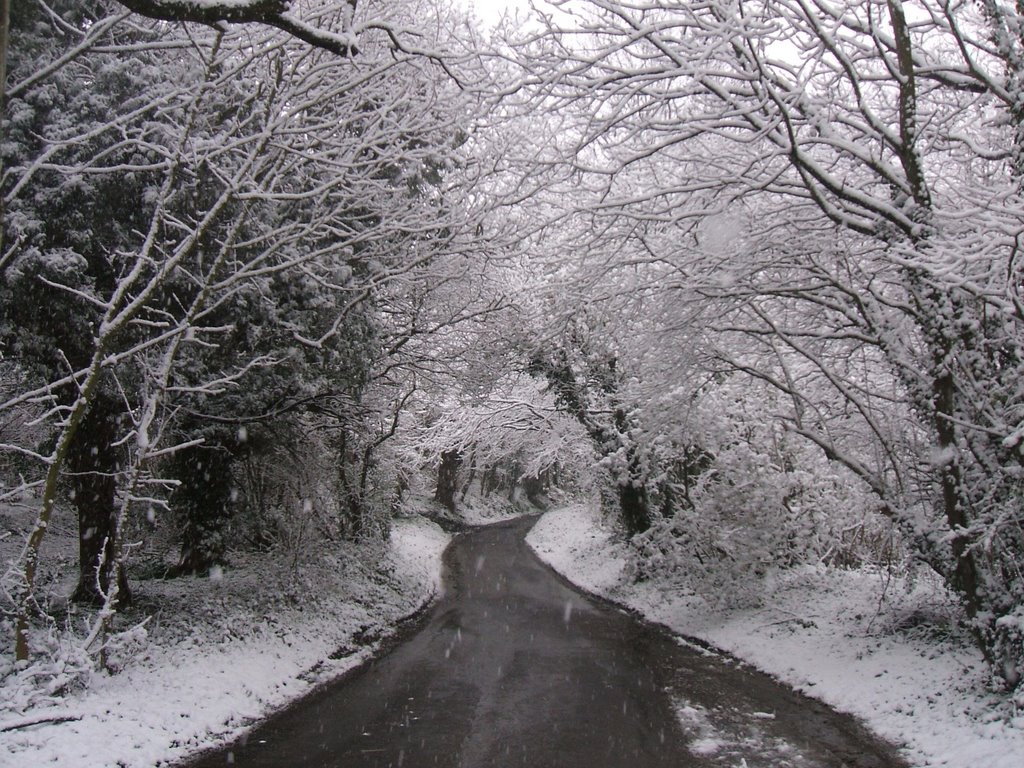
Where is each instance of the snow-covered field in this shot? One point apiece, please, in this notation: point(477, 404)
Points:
point(884, 649)
point(188, 691)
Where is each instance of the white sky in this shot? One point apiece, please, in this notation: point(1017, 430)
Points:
point(490, 11)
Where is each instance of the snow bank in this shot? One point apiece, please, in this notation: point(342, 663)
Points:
point(418, 545)
point(197, 692)
point(864, 643)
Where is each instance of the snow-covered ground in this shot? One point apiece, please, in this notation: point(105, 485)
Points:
point(191, 690)
point(879, 647)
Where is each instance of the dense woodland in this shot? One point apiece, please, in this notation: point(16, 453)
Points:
point(751, 269)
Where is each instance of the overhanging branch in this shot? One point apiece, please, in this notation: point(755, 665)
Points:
point(273, 13)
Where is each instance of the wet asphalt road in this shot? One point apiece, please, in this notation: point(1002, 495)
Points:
point(515, 668)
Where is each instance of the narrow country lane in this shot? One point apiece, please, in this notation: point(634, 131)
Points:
point(515, 668)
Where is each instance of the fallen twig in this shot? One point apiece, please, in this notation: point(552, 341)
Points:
point(28, 722)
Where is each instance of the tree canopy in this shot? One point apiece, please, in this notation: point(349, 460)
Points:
point(749, 272)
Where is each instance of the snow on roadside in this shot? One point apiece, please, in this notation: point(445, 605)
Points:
point(417, 545)
point(197, 693)
point(829, 634)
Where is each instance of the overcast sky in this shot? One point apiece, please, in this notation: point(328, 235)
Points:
point(490, 10)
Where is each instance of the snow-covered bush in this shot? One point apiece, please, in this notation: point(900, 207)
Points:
point(754, 499)
point(62, 665)
point(1009, 647)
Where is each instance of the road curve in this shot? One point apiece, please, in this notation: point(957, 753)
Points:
point(513, 667)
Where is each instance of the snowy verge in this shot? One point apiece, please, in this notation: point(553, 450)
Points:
point(204, 689)
point(864, 643)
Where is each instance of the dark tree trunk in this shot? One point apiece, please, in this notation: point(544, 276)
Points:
point(94, 463)
point(633, 501)
point(489, 481)
point(353, 510)
point(354, 517)
point(447, 479)
point(965, 575)
point(635, 511)
point(534, 488)
point(203, 502)
point(469, 480)
point(513, 481)
point(401, 486)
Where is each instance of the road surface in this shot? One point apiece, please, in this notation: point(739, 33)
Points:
point(513, 667)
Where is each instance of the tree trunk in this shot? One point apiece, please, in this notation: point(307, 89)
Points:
point(633, 502)
point(469, 480)
point(354, 517)
point(489, 481)
point(447, 479)
point(94, 463)
point(5, 28)
point(203, 502)
point(965, 576)
point(512, 478)
point(352, 512)
point(534, 488)
point(635, 512)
